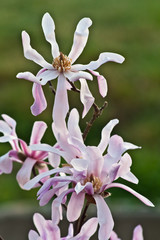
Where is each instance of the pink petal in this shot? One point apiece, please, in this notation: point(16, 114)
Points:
point(61, 105)
point(54, 159)
point(105, 134)
point(49, 32)
point(38, 131)
point(31, 53)
point(79, 164)
point(76, 202)
point(102, 83)
point(86, 97)
point(6, 164)
point(87, 230)
point(80, 38)
point(28, 76)
point(74, 76)
point(104, 218)
point(10, 121)
point(139, 196)
point(33, 235)
point(24, 174)
point(40, 103)
point(138, 233)
point(114, 236)
point(73, 125)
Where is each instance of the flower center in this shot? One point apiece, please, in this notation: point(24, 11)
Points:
point(62, 63)
point(96, 182)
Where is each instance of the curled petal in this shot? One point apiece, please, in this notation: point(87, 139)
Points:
point(28, 76)
point(102, 83)
point(38, 131)
point(49, 32)
point(80, 38)
point(105, 134)
point(86, 97)
point(139, 196)
point(6, 164)
point(40, 103)
point(31, 53)
point(74, 76)
point(47, 75)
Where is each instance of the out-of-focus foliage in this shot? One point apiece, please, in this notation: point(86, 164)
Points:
point(131, 28)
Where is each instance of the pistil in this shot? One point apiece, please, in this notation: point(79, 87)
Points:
point(62, 63)
point(96, 182)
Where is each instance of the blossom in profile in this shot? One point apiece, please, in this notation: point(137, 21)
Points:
point(64, 68)
point(137, 234)
point(91, 169)
point(20, 151)
point(49, 230)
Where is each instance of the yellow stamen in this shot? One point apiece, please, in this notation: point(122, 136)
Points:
point(62, 63)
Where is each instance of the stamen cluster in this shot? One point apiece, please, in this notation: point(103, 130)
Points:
point(62, 63)
point(96, 182)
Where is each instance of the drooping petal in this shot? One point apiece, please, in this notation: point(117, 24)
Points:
point(102, 83)
point(105, 134)
point(130, 177)
point(28, 76)
point(40, 103)
point(73, 125)
point(74, 76)
point(24, 174)
point(49, 32)
point(80, 38)
point(138, 233)
point(86, 97)
point(104, 218)
point(76, 202)
point(103, 58)
point(87, 230)
point(32, 54)
point(38, 131)
point(61, 105)
point(33, 235)
point(114, 236)
point(136, 194)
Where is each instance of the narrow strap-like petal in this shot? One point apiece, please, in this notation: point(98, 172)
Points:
point(136, 194)
point(47, 75)
point(6, 164)
point(49, 32)
point(40, 103)
point(28, 76)
point(105, 134)
point(102, 83)
point(104, 218)
point(103, 58)
point(73, 125)
point(86, 97)
point(76, 202)
point(138, 233)
point(74, 76)
point(38, 131)
point(61, 105)
point(31, 53)
point(80, 38)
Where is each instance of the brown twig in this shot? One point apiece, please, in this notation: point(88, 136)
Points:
point(97, 112)
point(74, 88)
point(51, 87)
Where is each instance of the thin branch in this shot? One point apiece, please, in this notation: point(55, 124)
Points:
point(74, 88)
point(51, 87)
point(97, 112)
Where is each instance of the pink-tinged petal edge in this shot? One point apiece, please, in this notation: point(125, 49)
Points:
point(40, 103)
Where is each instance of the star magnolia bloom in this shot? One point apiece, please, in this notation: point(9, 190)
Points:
point(48, 230)
point(21, 153)
point(91, 173)
point(63, 68)
point(137, 234)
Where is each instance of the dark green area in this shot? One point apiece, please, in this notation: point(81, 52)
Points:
point(131, 28)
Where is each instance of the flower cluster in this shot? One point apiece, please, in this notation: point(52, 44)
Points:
point(71, 174)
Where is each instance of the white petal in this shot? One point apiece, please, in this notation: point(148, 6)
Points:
point(74, 76)
point(47, 75)
point(49, 32)
point(80, 38)
point(28, 76)
point(73, 126)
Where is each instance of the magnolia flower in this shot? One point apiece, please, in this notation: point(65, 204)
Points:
point(137, 234)
point(20, 151)
point(48, 230)
point(64, 68)
point(91, 172)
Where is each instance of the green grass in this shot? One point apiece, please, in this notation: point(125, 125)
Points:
point(130, 28)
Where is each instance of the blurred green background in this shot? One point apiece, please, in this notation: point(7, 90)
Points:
point(131, 28)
